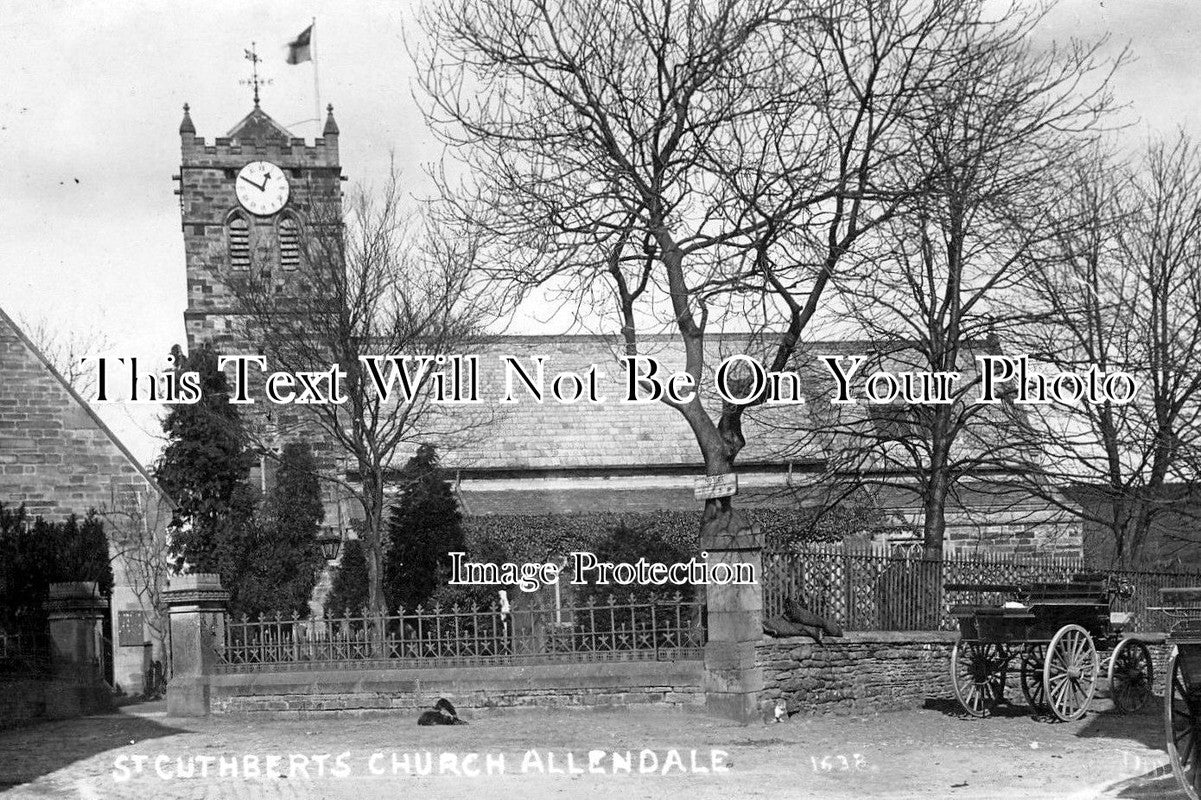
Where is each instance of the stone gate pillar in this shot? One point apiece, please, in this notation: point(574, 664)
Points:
point(733, 680)
point(76, 614)
point(196, 606)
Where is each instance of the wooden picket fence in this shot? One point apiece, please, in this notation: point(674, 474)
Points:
point(897, 588)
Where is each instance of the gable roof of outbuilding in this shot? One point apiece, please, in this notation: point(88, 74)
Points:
point(32, 427)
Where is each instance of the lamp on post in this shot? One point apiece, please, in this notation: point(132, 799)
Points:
point(330, 541)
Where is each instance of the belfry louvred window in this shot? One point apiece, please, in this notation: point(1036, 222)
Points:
point(289, 243)
point(238, 232)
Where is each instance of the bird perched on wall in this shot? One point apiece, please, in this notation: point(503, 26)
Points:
point(443, 713)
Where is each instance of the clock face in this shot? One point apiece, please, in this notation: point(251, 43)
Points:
point(262, 188)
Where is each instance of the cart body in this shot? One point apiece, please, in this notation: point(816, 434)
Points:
point(1054, 630)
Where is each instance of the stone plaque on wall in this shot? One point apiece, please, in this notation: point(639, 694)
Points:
point(130, 628)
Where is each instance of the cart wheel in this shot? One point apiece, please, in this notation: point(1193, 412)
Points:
point(1070, 672)
point(1001, 680)
point(1130, 674)
point(978, 675)
point(1033, 658)
point(1181, 715)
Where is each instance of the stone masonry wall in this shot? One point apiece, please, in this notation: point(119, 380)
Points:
point(999, 530)
point(22, 700)
point(598, 685)
point(861, 672)
point(31, 699)
point(883, 671)
point(55, 455)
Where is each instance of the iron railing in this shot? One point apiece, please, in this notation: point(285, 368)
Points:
point(900, 589)
point(602, 629)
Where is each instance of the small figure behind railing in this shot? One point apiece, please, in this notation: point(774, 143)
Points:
point(506, 611)
point(156, 681)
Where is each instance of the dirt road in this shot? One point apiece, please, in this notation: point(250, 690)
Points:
point(621, 754)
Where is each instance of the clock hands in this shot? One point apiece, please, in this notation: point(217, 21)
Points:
point(272, 187)
point(261, 187)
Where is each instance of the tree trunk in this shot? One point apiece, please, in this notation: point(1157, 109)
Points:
point(938, 486)
point(1139, 531)
point(934, 531)
point(934, 521)
point(373, 508)
point(722, 524)
point(375, 600)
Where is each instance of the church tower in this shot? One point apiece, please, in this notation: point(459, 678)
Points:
point(244, 201)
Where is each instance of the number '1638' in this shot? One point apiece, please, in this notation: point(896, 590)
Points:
point(838, 763)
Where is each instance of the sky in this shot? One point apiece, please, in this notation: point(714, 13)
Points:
point(92, 98)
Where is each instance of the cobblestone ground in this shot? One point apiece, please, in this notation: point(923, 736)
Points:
point(926, 753)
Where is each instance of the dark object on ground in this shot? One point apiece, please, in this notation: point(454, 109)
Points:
point(443, 713)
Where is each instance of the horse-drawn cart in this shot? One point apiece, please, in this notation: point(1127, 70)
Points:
point(1054, 630)
point(1182, 703)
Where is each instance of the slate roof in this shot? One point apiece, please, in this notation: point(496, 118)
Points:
point(260, 127)
point(528, 437)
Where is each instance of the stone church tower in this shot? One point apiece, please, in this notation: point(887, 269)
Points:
point(244, 200)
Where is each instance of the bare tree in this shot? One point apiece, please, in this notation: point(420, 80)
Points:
point(374, 283)
point(1122, 293)
point(65, 348)
point(136, 524)
point(950, 274)
point(687, 166)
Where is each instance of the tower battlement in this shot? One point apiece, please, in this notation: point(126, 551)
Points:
point(222, 151)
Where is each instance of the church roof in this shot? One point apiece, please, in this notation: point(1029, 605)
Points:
point(530, 437)
point(258, 126)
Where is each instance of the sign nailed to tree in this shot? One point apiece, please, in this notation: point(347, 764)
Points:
point(709, 487)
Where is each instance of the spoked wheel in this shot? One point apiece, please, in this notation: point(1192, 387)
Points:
point(1181, 714)
point(1033, 660)
point(1070, 672)
point(978, 676)
point(1130, 674)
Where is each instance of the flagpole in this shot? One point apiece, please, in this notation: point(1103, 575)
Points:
point(316, 83)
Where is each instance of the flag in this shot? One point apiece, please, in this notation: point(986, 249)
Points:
point(299, 50)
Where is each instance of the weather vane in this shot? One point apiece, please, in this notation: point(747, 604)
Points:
point(254, 81)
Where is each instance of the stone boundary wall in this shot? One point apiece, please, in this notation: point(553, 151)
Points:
point(867, 672)
point(22, 700)
point(860, 672)
point(307, 693)
point(28, 699)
